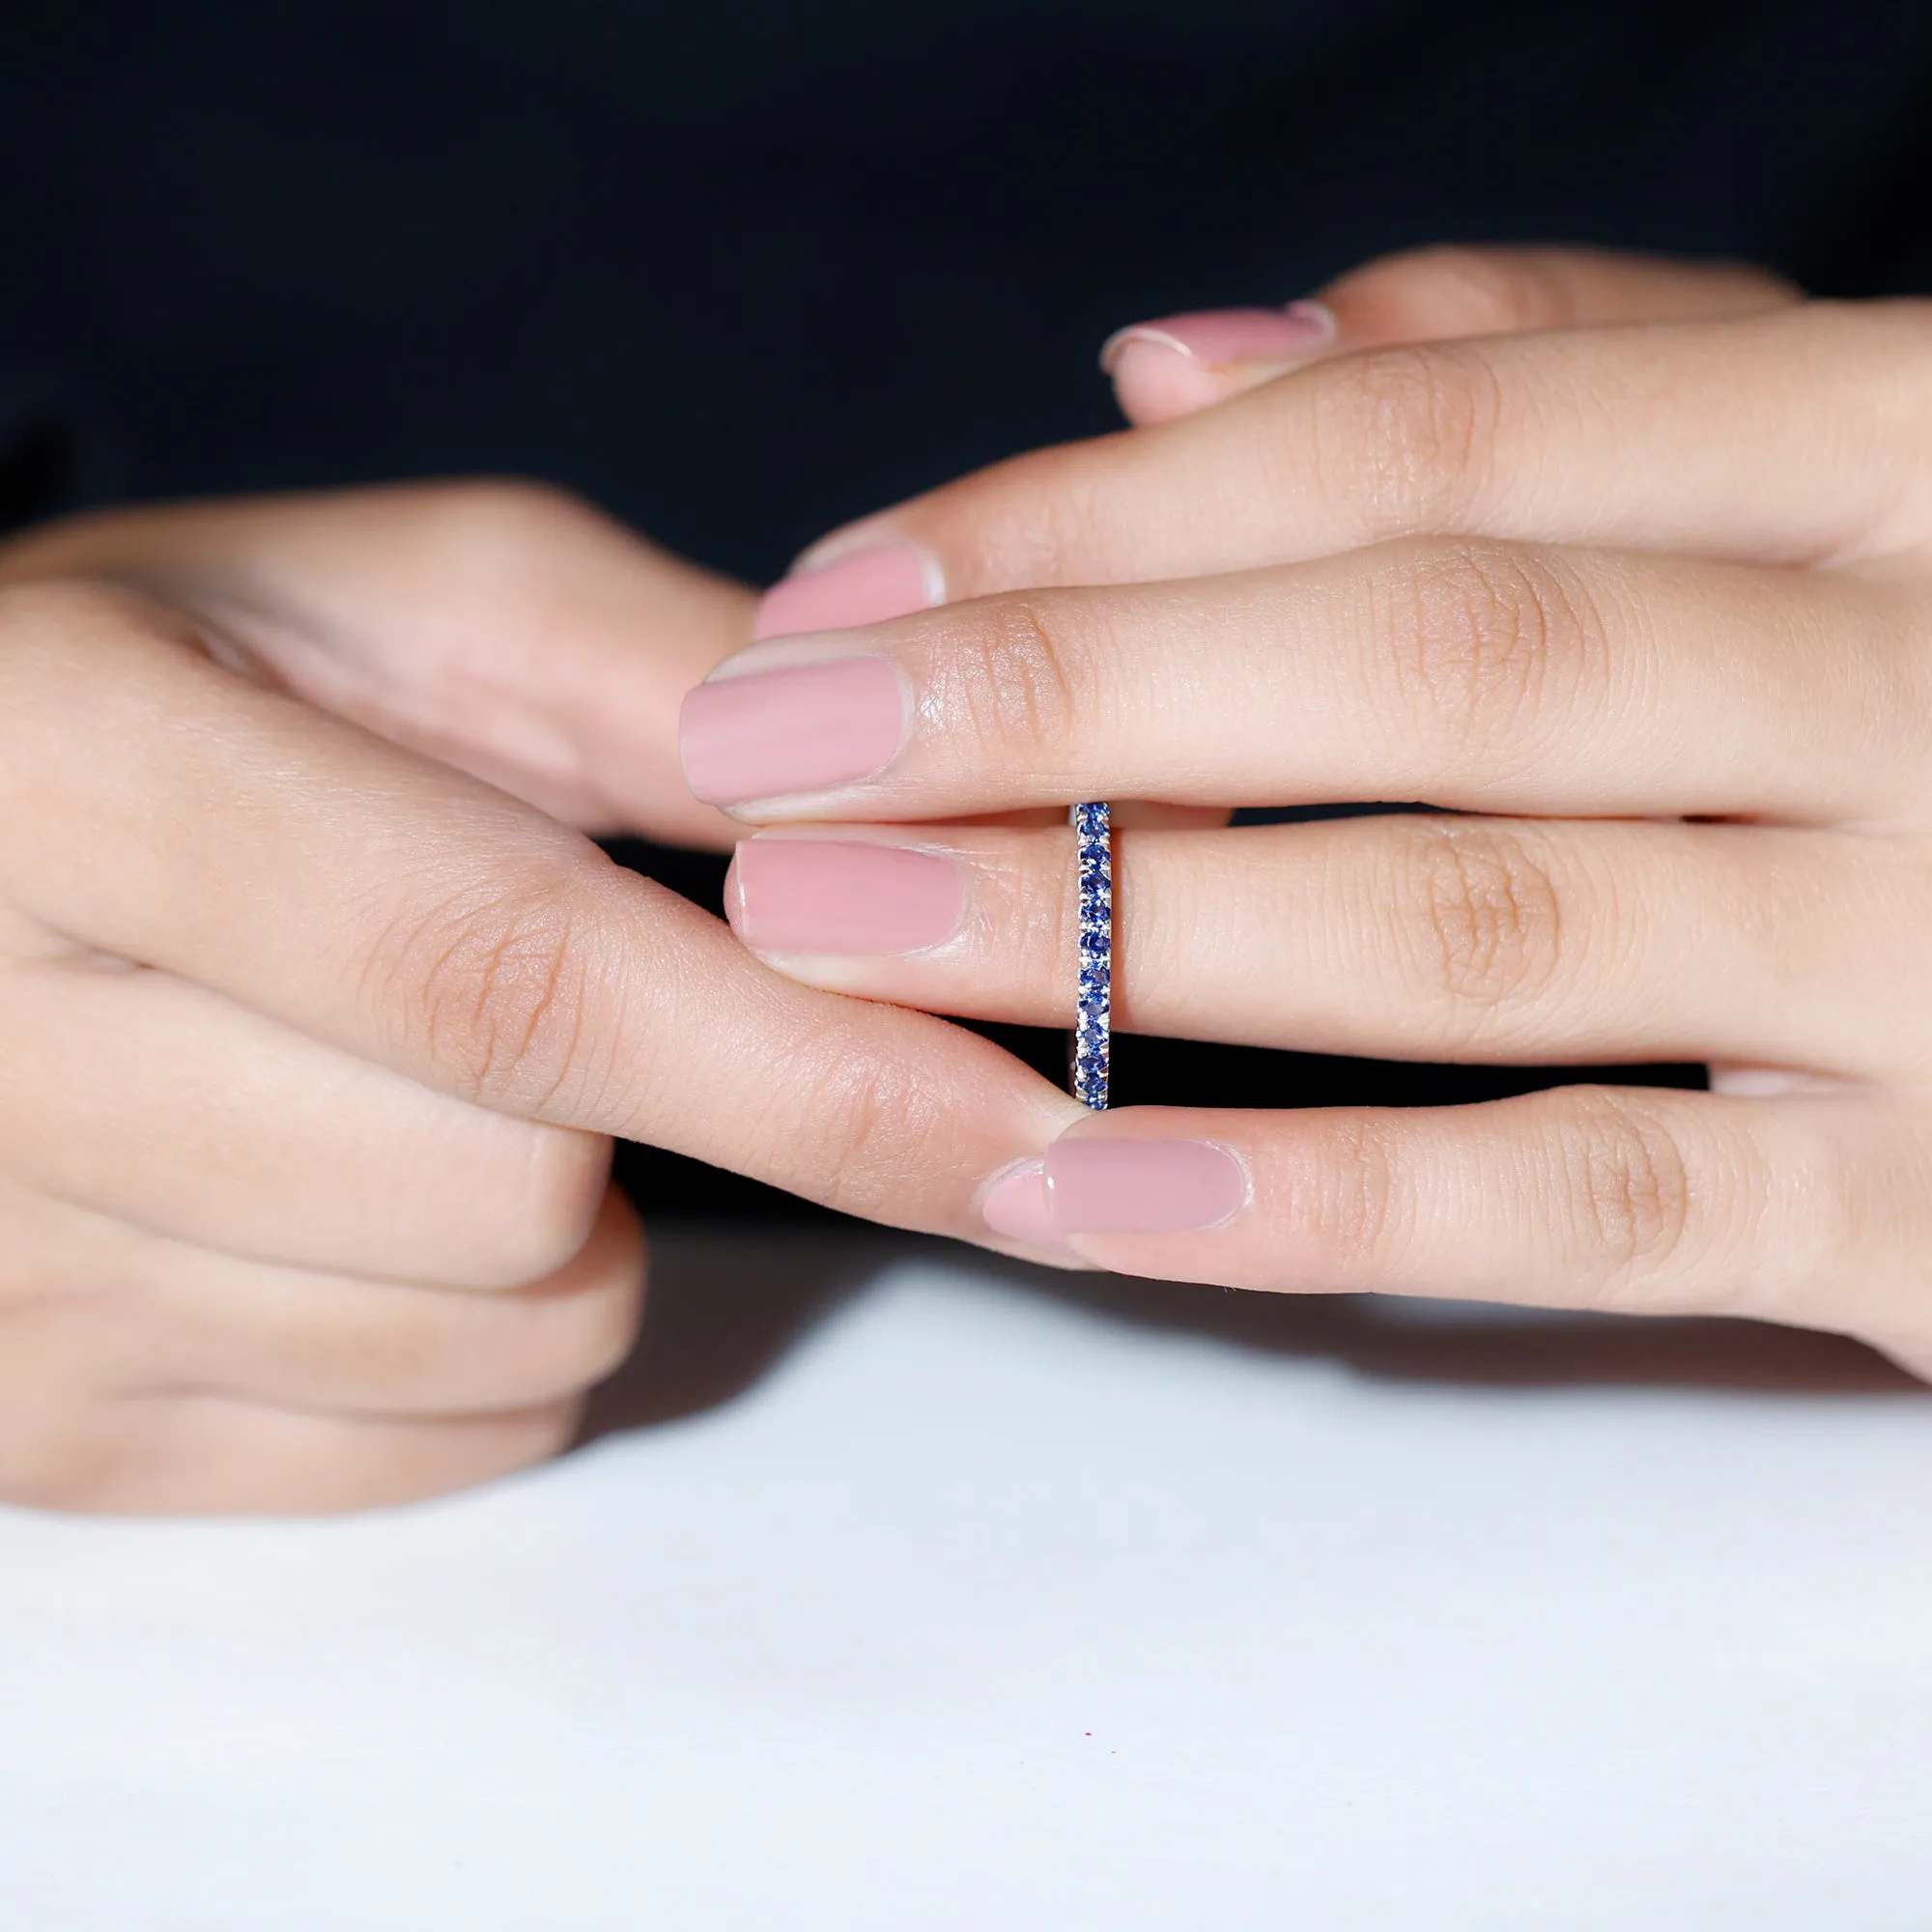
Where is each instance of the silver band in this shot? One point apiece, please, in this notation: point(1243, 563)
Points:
point(1092, 1027)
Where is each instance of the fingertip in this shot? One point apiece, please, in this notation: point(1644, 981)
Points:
point(1016, 1208)
point(734, 893)
point(1181, 363)
point(1153, 384)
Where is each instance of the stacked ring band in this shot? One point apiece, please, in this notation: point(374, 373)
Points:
point(1093, 1027)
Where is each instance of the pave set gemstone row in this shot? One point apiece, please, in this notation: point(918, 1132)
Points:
point(1093, 833)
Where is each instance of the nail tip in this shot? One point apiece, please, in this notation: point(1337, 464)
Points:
point(1014, 1206)
point(1116, 344)
point(1215, 339)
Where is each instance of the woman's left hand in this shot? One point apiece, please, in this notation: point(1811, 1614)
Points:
point(1648, 605)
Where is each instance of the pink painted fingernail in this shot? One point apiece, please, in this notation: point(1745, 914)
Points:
point(808, 726)
point(1015, 1206)
point(865, 586)
point(843, 895)
point(1097, 1186)
point(1218, 336)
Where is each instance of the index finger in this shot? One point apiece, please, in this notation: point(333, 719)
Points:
point(1177, 365)
point(169, 811)
point(1792, 436)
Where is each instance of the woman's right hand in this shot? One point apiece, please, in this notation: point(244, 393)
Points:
point(311, 1045)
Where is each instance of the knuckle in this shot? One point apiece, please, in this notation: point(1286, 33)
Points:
point(1485, 913)
point(492, 521)
point(598, 1337)
point(1361, 1208)
point(1018, 674)
point(1408, 435)
point(1626, 1178)
point(861, 1131)
point(1486, 638)
point(541, 1348)
point(490, 985)
point(1456, 290)
point(539, 1222)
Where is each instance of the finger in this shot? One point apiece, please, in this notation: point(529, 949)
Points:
point(1793, 435)
point(1483, 676)
point(502, 628)
point(1427, 294)
point(1179, 364)
point(153, 1317)
point(1643, 1199)
point(419, 920)
point(1401, 937)
point(155, 1101)
point(223, 1456)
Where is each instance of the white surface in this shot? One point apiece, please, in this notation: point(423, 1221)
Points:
point(983, 1612)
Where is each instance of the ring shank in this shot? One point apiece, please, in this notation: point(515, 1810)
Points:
point(1092, 1027)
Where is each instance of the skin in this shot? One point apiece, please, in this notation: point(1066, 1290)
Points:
point(319, 1010)
point(1629, 565)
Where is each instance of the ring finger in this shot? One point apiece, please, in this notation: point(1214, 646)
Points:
point(1400, 936)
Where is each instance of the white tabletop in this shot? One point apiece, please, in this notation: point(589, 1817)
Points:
point(982, 1608)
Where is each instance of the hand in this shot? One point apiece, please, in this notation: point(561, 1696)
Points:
point(503, 628)
point(311, 1046)
point(1649, 603)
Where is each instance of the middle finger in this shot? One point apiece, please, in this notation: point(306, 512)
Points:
point(1489, 678)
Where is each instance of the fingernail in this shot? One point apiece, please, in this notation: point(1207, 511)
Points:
point(1219, 336)
point(866, 586)
point(772, 732)
point(1140, 1187)
point(843, 895)
point(1015, 1206)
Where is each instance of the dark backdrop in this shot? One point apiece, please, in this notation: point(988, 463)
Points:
point(739, 273)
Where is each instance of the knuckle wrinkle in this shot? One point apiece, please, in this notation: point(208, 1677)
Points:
point(1411, 433)
point(1486, 638)
point(1629, 1186)
point(1010, 678)
point(1489, 916)
point(494, 984)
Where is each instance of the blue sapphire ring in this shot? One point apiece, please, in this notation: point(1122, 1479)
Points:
point(1093, 1026)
